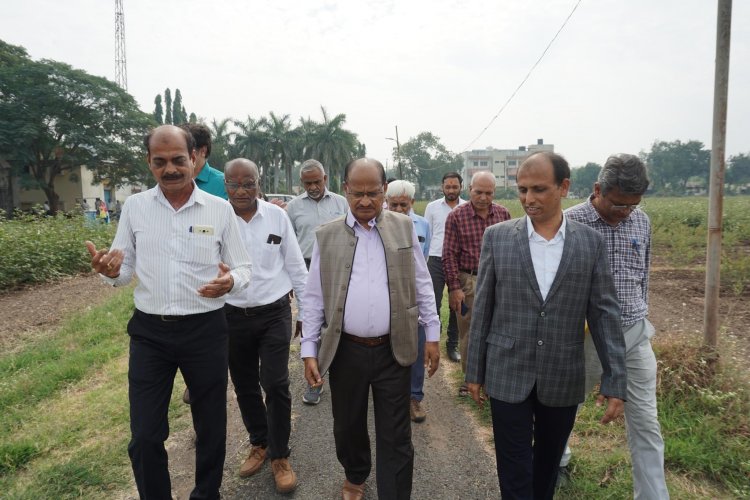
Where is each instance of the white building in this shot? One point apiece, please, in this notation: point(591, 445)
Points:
point(503, 163)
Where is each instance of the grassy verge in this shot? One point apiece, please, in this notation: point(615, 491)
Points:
point(705, 419)
point(64, 422)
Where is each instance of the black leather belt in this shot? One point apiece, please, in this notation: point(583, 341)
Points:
point(255, 311)
point(167, 317)
point(368, 341)
point(472, 272)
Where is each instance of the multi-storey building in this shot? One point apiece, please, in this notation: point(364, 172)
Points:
point(503, 163)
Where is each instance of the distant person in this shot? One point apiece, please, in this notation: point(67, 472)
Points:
point(367, 290)
point(613, 211)
point(260, 324)
point(207, 178)
point(186, 249)
point(84, 205)
point(307, 212)
point(436, 213)
point(102, 213)
point(464, 228)
point(400, 199)
point(541, 277)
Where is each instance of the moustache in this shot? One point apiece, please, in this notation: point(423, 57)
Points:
point(172, 177)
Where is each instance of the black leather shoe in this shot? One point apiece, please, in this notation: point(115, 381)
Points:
point(454, 355)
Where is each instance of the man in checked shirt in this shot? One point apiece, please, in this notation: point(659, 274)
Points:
point(613, 211)
point(464, 229)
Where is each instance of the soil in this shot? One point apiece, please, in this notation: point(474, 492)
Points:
point(442, 468)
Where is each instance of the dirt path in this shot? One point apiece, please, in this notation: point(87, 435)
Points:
point(452, 460)
point(30, 312)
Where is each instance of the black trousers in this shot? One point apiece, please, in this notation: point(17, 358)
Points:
point(355, 369)
point(529, 471)
point(435, 266)
point(198, 347)
point(259, 357)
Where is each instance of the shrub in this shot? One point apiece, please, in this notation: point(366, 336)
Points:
point(38, 249)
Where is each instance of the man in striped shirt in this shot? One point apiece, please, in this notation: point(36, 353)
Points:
point(176, 239)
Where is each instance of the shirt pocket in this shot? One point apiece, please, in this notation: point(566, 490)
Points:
point(269, 255)
point(202, 248)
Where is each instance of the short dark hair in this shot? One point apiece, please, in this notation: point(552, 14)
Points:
point(349, 165)
point(200, 133)
point(625, 172)
point(560, 166)
point(189, 141)
point(453, 175)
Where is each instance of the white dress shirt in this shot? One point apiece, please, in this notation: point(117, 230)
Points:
point(367, 307)
point(545, 255)
point(278, 263)
point(436, 213)
point(175, 252)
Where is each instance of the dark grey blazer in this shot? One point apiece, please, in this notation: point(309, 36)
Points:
point(517, 340)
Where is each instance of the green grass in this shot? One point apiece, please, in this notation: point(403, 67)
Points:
point(64, 423)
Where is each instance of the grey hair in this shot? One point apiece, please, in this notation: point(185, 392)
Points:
point(400, 188)
point(483, 173)
point(310, 165)
point(625, 172)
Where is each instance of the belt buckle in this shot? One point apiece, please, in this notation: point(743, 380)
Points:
point(167, 318)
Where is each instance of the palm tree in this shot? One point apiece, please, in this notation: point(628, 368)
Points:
point(281, 147)
point(334, 146)
point(251, 141)
point(222, 141)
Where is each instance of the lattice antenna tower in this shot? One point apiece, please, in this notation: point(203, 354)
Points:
point(121, 66)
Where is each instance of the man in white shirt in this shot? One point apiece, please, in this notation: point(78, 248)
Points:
point(317, 205)
point(436, 213)
point(176, 238)
point(260, 324)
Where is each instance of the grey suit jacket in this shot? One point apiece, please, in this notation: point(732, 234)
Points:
point(517, 339)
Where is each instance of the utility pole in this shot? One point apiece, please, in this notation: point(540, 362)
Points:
point(716, 187)
point(398, 152)
point(121, 67)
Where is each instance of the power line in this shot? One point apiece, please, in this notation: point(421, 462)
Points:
point(525, 78)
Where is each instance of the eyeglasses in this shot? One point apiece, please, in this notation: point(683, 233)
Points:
point(358, 195)
point(234, 186)
point(626, 207)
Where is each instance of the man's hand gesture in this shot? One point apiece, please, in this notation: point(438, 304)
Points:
point(106, 262)
point(220, 286)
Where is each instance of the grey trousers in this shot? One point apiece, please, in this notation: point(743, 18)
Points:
point(641, 422)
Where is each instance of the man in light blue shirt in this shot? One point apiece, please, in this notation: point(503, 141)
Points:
point(400, 198)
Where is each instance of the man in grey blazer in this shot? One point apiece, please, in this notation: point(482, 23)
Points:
point(540, 279)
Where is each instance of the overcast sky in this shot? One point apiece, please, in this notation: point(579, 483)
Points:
point(620, 75)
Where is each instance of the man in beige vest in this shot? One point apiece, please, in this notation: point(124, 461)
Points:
point(367, 287)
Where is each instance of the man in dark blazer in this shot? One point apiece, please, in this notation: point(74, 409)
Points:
point(540, 279)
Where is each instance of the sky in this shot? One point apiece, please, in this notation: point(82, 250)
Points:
point(621, 74)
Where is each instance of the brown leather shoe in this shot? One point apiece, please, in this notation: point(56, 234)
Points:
point(286, 479)
point(253, 462)
point(352, 491)
point(186, 396)
point(416, 412)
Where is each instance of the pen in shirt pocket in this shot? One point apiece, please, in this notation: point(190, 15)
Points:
point(636, 246)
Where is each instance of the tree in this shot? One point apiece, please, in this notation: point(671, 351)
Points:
point(54, 118)
point(168, 103)
point(671, 164)
point(158, 110)
point(177, 117)
point(221, 142)
point(281, 144)
point(426, 160)
point(193, 118)
point(738, 171)
point(329, 143)
point(250, 142)
point(582, 179)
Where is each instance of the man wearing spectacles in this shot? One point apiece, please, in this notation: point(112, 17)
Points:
point(260, 324)
point(613, 211)
point(367, 291)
